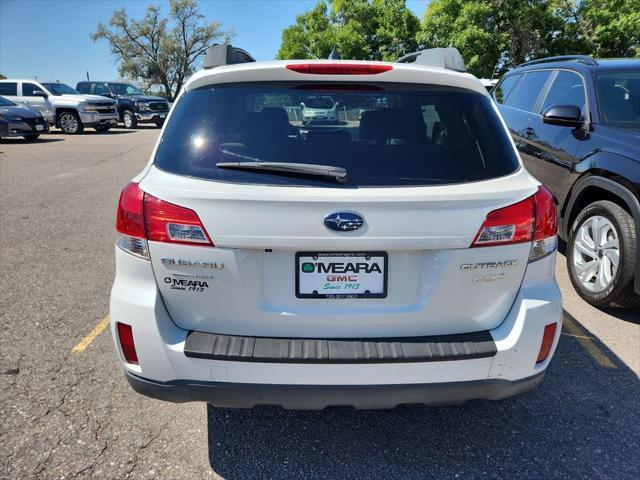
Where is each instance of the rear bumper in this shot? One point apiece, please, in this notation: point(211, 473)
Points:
point(167, 372)
point(314, 397)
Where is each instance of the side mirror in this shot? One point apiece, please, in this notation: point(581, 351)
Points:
point(563, 116)
point(39, 93)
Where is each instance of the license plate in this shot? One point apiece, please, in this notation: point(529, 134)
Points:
point(338, 275)
point(39, 127)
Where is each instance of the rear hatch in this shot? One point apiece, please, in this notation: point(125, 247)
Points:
point(384, 252)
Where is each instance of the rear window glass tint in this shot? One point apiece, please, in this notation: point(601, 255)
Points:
point(504, 88)
point(524, 96)
point(383, 135)
point(8, 88)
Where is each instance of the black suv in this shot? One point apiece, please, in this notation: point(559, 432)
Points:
point(134, 106)
point(576, 123)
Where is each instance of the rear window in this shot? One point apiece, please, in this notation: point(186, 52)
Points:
point(383, 134)
point(8, 88)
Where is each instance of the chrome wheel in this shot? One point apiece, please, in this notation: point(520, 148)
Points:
point(596, 253)
point(69, 123)
point(127, 119)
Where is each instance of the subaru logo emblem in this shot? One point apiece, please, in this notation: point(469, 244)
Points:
point(343, 221)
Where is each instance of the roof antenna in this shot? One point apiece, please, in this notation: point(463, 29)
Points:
point(334, 55)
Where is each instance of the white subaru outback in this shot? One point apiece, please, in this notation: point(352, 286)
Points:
point(400, 254)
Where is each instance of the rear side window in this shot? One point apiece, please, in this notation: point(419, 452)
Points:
point(567, 89)
point(8, 88)
point(382, 134)
point(29, 88)
point(101, 89)
point(524, 96)
point(504, 88)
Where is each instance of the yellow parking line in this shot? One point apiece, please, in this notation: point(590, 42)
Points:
point(86, 341)
point(587, 342)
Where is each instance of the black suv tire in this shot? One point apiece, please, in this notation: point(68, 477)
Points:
point(620, 292)
point(129, 119)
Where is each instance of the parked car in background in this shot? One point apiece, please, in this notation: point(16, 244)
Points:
point(4, 128)
point(22, 121)
point(64, 107)
point(576, 122)
point(260, 261)
point(134, 106)
point(319, 108)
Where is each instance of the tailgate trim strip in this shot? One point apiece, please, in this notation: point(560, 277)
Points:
point(439, 348)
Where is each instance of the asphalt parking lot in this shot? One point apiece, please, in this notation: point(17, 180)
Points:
point(68, 412)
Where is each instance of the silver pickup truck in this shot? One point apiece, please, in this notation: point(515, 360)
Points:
point(63, 106)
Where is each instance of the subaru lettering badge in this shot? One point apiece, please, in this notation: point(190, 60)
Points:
point(343, 221)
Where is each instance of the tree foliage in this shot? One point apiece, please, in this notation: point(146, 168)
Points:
point(492, 35)
point(161, 51)
point(361, 29)
point(504, 33)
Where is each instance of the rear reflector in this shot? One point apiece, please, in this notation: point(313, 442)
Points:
point(143, 217)
point(338, 68)
point(531, 220)
point(125, 336)
point(547, 342)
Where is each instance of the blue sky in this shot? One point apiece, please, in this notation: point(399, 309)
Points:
point(50, 39)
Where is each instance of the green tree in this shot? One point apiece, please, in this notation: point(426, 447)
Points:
point(612, 27)
point(361, 29)
point(161, 51)
point(498, 33)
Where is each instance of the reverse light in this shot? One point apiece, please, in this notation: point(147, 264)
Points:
point(143, 217)
point(530, 220)
point(338, 68)
point(125, 337)
point(548, 336)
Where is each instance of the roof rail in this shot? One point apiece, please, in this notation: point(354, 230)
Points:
point(587, 60)
point(225, 54)
point(448, 58)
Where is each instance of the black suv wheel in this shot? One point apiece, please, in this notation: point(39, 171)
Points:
point(129, 119)
point(601, 255)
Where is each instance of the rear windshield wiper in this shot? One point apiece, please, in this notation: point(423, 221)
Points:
point(337, 173)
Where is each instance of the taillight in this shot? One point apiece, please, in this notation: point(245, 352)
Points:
point(125, 337)
point(171, 223)
point(338, 68)
point(512, 224)
point(143, 217)
point(130, 221)
point(531, 220)
point(548, 336)
point(545, 238)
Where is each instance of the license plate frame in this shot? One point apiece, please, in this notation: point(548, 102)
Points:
point(39, 128)
point(343, 294)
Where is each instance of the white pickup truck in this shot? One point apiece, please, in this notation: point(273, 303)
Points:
point(63, 106)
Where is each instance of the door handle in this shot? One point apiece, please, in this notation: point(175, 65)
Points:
point(529, 131)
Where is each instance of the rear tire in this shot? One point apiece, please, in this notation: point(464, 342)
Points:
point(129, 119)
point(601, 255)
point(70, 123)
